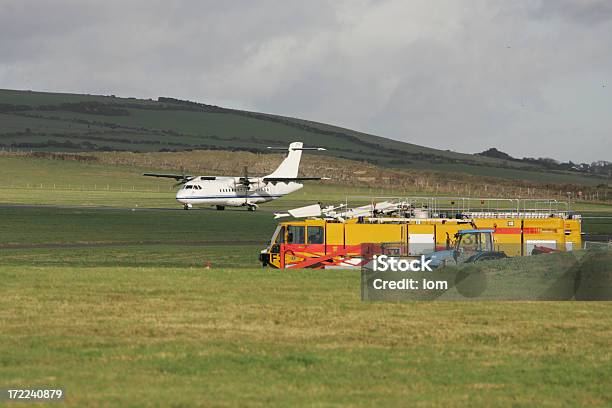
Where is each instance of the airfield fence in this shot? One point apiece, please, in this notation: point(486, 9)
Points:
point(92, 187)
point(372, 192)
point(366, 176)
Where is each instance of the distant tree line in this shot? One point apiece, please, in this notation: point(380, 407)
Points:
point(90, 108)
point(601, 167)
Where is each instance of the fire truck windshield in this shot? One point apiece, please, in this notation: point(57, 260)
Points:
point(279, 235)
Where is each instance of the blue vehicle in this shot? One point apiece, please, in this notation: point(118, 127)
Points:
point(471, 245)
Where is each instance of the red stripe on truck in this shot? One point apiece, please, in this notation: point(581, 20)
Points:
point(517, 230)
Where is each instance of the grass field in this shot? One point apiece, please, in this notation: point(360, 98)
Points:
point(92, 301)
point(65, 182)
point(122, 299)
point(192, 337)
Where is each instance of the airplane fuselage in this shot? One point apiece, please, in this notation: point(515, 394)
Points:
point(229, 191)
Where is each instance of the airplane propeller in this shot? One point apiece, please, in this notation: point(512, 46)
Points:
point(245, 180)
point(182, 178)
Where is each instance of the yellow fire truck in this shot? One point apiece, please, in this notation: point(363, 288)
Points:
point(339, 239)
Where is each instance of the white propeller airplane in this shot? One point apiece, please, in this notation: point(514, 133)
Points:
point(245, 191)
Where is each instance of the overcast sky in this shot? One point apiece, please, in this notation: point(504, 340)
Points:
point(532, 78)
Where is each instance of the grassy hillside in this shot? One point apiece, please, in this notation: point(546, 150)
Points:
point(69, 122)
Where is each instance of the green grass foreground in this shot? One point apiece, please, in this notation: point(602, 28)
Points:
point(117, 307)
point(188, 336)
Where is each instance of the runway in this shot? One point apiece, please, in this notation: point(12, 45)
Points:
point(124, 243)
point(112, 208)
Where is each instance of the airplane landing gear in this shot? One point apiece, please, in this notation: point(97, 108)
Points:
point(187, 206)
point(251, 207)
point(220, 207)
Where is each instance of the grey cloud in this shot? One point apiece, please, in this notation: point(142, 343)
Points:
point(526, 77)
point(581, 11)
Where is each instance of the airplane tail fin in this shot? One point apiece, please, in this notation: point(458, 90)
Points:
point(290, 166)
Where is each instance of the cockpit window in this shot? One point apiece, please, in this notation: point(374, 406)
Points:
point(188, 187)
point(295, 234)
point(279, 235)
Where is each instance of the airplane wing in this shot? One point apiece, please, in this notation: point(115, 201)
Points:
point(177, 177)
point(285, 179)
